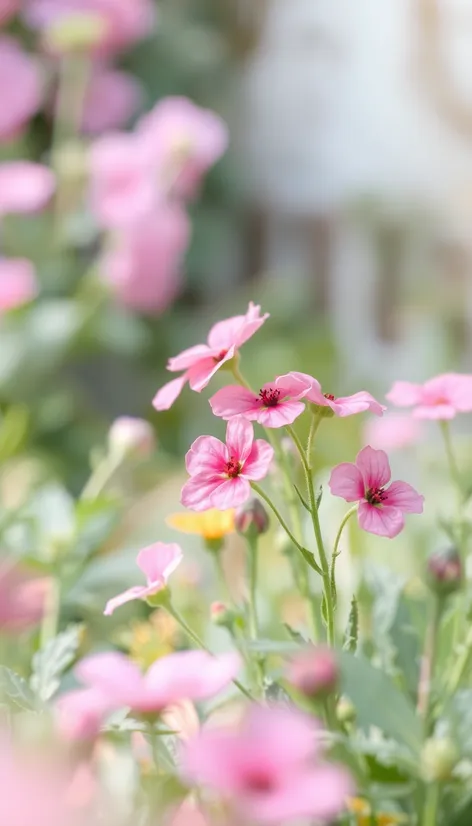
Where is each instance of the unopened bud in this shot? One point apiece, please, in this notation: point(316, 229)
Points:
point(131, 437)
point(438, 759)
point(219, 613)
point(314, 672)
point(251, 519)
point(444, 572)
point(345, 711)
point(75, 32)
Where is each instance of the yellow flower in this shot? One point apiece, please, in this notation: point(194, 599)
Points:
point(211, 525)
point(364, 817)
point(153, 639)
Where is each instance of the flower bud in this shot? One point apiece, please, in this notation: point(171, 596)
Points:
point(251, 519)
point(345, 711)
point(444, 572)
point(131, 437)
point(314, 672)
point(222, 616)
point(438, 759)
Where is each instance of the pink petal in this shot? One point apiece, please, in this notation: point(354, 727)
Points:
point(291, 384)
point(239, 438)
point(24, 186)
point(230, 493)
point(235, 331)
point(18, 283)
point(385, 521)
point(317, 794)
point(374, 467)
point(234, 400)
point(197, 492)
point(314, 394)
point(136, 592)
point(404, 394)
point(189, 358)
point(404, 497)
point(206, 455)
point(191, 675)
point(282, 414)
point(202, 372)
point(158, 561)
point(259, 460)
point(461, 392)
point(435, 412)
point(108, 671)
point(166, 396)
point(346, 481)
point(392, 432)
point(358, 403)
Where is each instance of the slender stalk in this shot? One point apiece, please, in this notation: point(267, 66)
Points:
point(430, 810)
point(51, 614)
point(451, 459)
point(252, 577)
point(429, 664)
point(315, 423)
point(101, 476)
point(336, 550)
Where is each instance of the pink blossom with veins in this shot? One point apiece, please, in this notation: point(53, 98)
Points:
point(381, 506)
point(270, 768)
point(277, 403)
point(200, 363)
point(220, 474)
point(25, 187)
point(185, 675)
point(439, 398)
point(18, 283)
point(21, 89)
point(342, 405)
point(113, 97)
point(157, 563)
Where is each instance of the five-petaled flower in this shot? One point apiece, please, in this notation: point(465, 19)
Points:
point(439, 398)
point(211, 524)
point(344, 405)
point(221, 473)
point(202, 361)
point(277, 403)
point(381, 506)
point(157, 562)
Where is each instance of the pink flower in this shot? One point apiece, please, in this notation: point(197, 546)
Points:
point(24, 187)
point(185, 675)
point(22, 598)
point(221, 473)
point(439, 398)
point(381, 508)
point(277, 403)
point(112, 98)
point(202, 361)
point(7, 9)
point(143, 265)
point(392, 432)
point(21, 89)
point(157, 562)
point(80, 713)
point(270, 769)
point(344, 405)
point(130, 436)
point(18, 283)
point(314, 671)
point(184, 141)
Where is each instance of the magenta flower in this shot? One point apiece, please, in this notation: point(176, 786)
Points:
point(202, 361)
point(157, 562)
point(24, 187)
point(22, 98)
point(381, 506)
point(439, 398)
point(113, 98)
point(270, 769)
point(344, 405)
point(185, 675)
point(277, 403)
point(221, 473)
point(18, 283)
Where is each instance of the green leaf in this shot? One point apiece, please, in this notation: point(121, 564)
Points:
point(302, 500)
point(51, 661)
point(15, 691)
point(379, 702)
point(352, 629)
point(308, 557)
point(294, 634)
point(95, 520)
point(324, 610)
point(319, 498)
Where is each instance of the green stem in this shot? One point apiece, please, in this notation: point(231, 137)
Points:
point(252, 571)
point(315, 423)
point(336, 550)
point(451, 459)
point(51, 614)
point(196, 639)
point(430, 810)
point(101, 476)
point(428, 666)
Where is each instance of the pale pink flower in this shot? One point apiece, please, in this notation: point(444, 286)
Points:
point(185, 675)
point(202, 361)
point(18, 283)
point(7, 9)
point(342, 405)
point(22, 598)
point(21, 89)
point(270, 769)
point(314, 671)
point(276, 405)
point(131, 436)
point(183, 141)
point(25, 187)
point(157, 563)
point(112, 99)
point(439, 398)
point(80, 713)
point(221, 473)
point(392, 432)
point(381, 506)
point(143, 265)
point(188, 814)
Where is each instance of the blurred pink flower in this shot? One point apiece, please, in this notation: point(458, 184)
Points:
point(439, 398)
point(381, 508)
point(131, 436)
point(143, 265)
point(392, 432)
point(270, 769)
point(7, 9)
point(188, 814)
point(202, 361)
point(22, 598)
point(25, 187)
point(21, 88)
point(157, 562)
point(276, 405)
point(18, 283)
point(220, 474)
point(344, 405)
point(112, 98)
point(80, 713)
point(183, 141)
point(191, 675)
point(124, 21)
point(314, 671)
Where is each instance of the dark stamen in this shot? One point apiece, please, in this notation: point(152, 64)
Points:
point(269, 398)
point(375, 496)
point(329, 396)
point(233, 468)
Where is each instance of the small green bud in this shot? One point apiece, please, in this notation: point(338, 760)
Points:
point(251, 519)
point(444, 572)
point(438, 759)
point(346, 711)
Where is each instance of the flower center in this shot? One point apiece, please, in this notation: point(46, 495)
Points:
point(259, 780)
point(220, 356)
point(375, 496)
point(329, 396)
point(269, 398)
point(233, 468)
